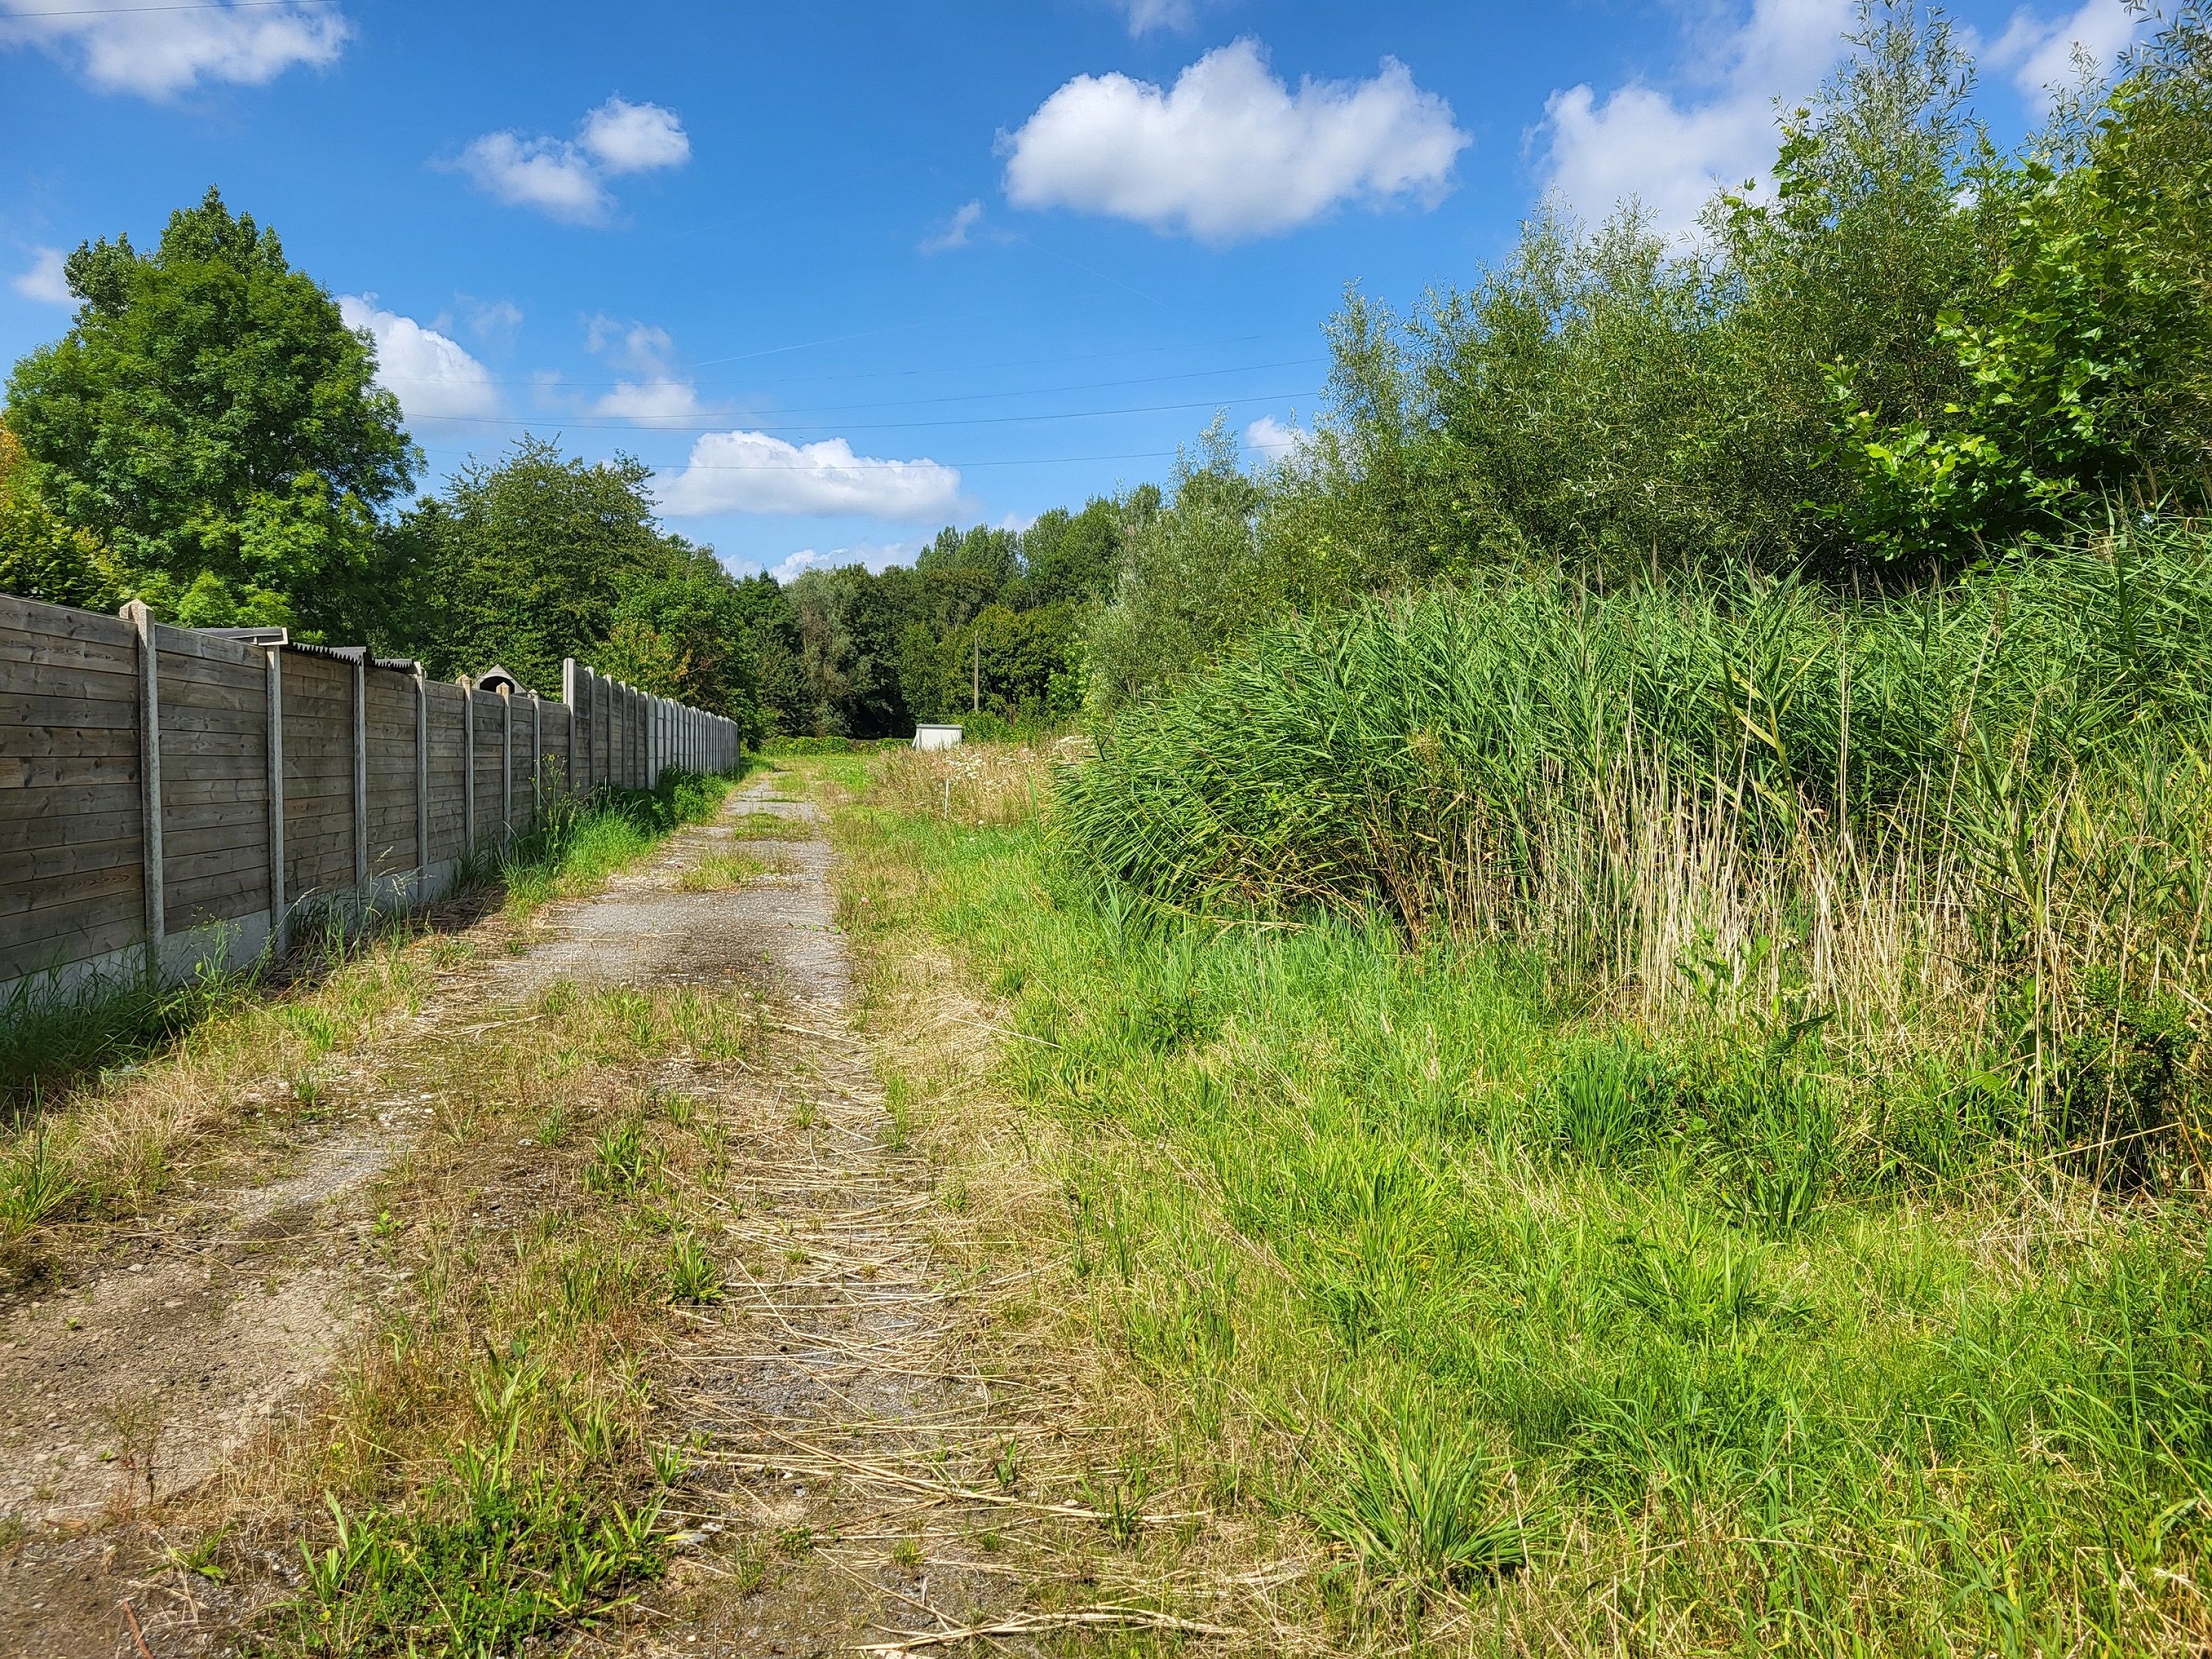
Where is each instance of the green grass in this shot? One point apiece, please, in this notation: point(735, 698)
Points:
point(578, 844)
point(1611, 1337)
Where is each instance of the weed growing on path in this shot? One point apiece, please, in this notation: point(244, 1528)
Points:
point(577, 845)
point(719, 872)
point(486, 1467)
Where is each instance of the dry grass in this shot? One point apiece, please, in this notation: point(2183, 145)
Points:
point(717, 873)
point(1118, 1507)
point(231, 1095)
point(983, 784)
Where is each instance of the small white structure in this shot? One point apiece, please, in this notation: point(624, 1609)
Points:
point(935, 736)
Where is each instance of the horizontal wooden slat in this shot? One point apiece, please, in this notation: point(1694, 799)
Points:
point(74, 932)
point(102, 814)
point(66, 742)
point(187, 643)
point(43, 893)
point(63, 772)
point(72, 858)
point(66, 701)
point(59, 622)
point(31, 664)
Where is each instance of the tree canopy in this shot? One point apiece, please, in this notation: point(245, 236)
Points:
point(210, 422)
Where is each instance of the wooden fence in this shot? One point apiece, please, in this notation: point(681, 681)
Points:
point(169, 798)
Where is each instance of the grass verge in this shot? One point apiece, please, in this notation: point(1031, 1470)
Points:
point(1485, 1318)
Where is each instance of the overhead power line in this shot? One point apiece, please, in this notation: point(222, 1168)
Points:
point(904, 403)
point(646, 423)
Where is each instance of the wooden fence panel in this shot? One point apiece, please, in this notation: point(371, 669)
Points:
point(447, 773)
point(318, 776)
point(72, 821)
point(391, 700)
point(488, 821)
point(214, 695)
point(553, 754)
point(76, 822)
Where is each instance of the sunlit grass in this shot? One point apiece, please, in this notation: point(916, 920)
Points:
point(1612, 1336)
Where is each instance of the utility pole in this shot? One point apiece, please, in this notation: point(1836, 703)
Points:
point(976, 688)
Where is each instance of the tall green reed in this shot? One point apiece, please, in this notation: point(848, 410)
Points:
point(1979, 818)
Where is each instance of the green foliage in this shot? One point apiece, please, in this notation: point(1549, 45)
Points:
point(42, 558)
point(1349, 1242)
point(2082, 369)
point(576, 845)
point(692, 1275)
point(523, 562)
point(210, 422)
point(688, 636)
point(1071, 558)
point(1420, 1505)
point(1193, 576)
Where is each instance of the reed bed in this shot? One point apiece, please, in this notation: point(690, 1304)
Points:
point(1975, 826)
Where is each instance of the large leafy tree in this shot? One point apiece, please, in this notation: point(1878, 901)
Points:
point(40, 557)
point(523, 561)
point(2083, 367)
point(211, 422)
point(686, 635)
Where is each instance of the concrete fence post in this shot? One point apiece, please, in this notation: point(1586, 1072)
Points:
point(469, 766)
point(536, 758)
point(149, 777)
point(568, 698)
point(278, 931)
point(506, 764)
point(361, 770)
point(421, 781)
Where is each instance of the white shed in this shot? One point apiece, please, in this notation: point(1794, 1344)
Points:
point(935, 736)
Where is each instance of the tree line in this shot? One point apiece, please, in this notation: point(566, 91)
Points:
point(1905, 356)
point(209, 438)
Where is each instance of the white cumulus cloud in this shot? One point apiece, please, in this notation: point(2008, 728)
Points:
point(877, 557)
point(1145, 15)
point(1230, 151)
point(45, 281)
point(1272, 439)
point(659, 396)
point(548, 174)
point(432, 376)
point(493, 320)
point(2042, 51)
point(661, 402)
point(160, 50)
point(754, 472)
point(565, 178)
point(628, 137)
point(1670, 151)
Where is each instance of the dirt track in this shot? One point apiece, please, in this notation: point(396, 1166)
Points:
point(211, 1326)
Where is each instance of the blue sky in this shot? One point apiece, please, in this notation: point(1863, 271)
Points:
point(844, 274)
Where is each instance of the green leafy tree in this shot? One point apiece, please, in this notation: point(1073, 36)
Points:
point(686, 635)
point(1070, 558)
point(850, 625)
point(211, 422)
point(773, 627)
point(523, 562)
point(1193, 576)
point(40, 557)
point(2084, 367)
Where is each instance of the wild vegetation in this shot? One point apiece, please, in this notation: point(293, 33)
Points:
point(1623, 1003)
